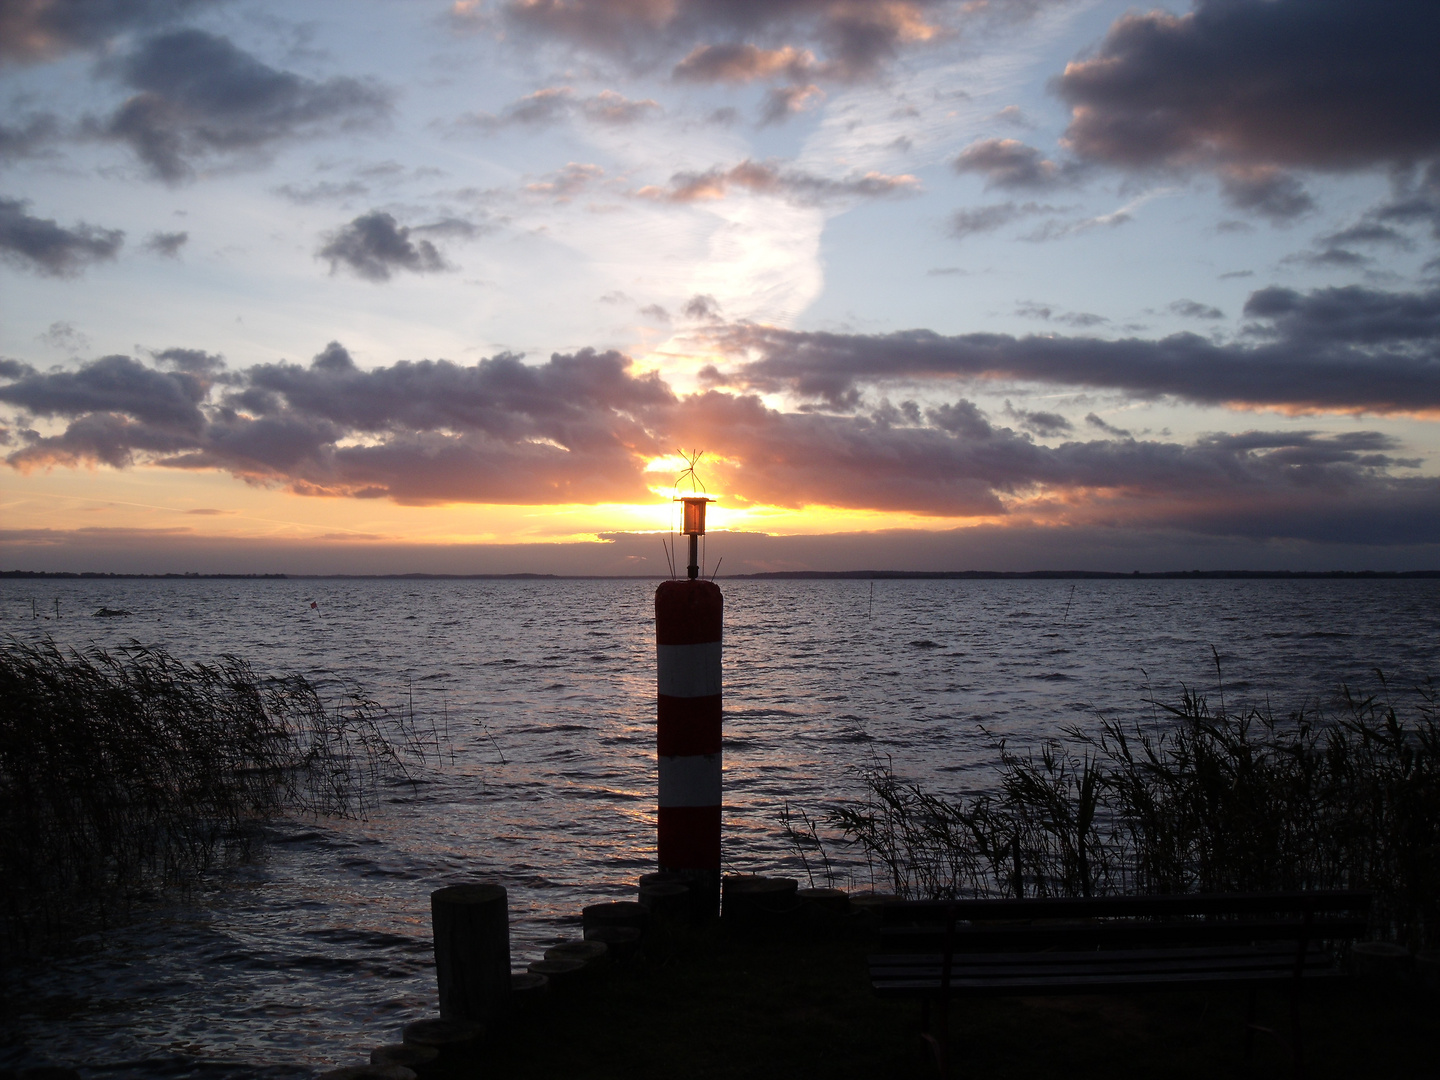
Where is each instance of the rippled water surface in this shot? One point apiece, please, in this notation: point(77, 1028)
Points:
point(320, 949)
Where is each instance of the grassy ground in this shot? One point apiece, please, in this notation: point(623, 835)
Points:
point(709, 1006)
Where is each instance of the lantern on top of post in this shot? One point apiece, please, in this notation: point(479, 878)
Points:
point(689, 620)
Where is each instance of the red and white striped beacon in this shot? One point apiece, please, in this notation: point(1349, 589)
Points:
point(689, 619)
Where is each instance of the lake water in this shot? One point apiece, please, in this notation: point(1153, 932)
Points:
point(321, 949)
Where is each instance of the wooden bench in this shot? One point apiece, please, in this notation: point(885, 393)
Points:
point(936, 950)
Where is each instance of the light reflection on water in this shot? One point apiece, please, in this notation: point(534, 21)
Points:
point(321, 950)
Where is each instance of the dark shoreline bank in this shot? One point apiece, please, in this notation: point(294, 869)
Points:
point(776, 575)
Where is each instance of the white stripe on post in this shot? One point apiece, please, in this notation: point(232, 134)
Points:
point(693, 780)
point(689, 670)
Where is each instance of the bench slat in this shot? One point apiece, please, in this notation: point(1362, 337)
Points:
point(1131, 906)
point(1039, 987)
point(1279, 954)
point(971, 938)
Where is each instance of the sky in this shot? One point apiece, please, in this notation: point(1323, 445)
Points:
point(398, 286)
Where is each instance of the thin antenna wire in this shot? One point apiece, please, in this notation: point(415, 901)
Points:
point(691, 460)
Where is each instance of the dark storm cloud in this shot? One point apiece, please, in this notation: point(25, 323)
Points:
point(32, 30)
point(1340, 349)
point(580, 427)
point(199, 95)
point(1402, 322)
point(1012, 166)
point(113, 384)
point(556, 104)
point(1325, 84)
point(375, 245)
point(1099, 423)
point(769, 178)
point(1045, 424)
point(42, 245)
point(500, 430)
point(1265, 191)
point(196, 361)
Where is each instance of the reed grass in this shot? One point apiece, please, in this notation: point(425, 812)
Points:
point(127, 772)
point(1199, 799)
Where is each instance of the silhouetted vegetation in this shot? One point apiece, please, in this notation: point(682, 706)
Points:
point(122, 773)
point(1199, 800)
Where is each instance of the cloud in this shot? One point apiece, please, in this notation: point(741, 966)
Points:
point(784, 101)
point(701, 307)
point(769, 178)
point(64, 335)
point(580, 428)
point(35, 30)
point(742, 62)
point(323, 191)
point(557, 104)
point(198, 95)
point(29, 138)
point(167, 244)
point(114, 384)
point(568, 182)
point(1345, 349)
point(1031, 310)
point(1100, 424)
point(984, 219)
point(1193, 309)
point(196, 361)
point(1012, 166)
point(1264, 190)
point(1369, 232)
point(374, 246)
point(857, 38)
point(1045, 424)
point(1267, 84)
point(41, 245)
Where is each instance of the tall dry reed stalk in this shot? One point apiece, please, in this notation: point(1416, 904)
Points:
point(1199, 800)
point(126, 772)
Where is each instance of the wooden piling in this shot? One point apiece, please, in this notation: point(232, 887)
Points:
point(472, 950)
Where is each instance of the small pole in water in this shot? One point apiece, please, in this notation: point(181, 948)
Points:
point(871, 612)
point(57, 608)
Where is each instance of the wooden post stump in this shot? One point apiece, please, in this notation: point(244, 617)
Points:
point(369, 1072)
point(452, 1040)
point(411, 1057)
point(472, 950)
point(668, 902)
point(753, 903)
point(595, 954)
point(615, 913)
point(527, 991)
point(566, 976)
point(623, 941)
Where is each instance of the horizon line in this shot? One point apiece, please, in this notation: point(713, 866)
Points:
point(771, 575)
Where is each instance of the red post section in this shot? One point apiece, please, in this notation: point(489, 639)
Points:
point(689, 617)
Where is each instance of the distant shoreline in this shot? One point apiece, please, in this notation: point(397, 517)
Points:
point(776, 575)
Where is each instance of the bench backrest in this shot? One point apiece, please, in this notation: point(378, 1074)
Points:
point(1123, 921)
